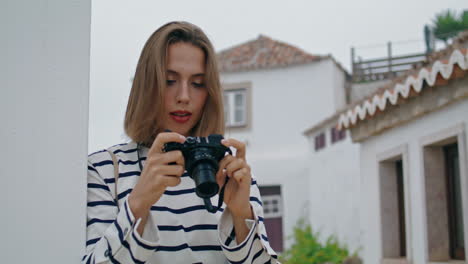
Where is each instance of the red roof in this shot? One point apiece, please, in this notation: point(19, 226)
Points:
point(262, 53)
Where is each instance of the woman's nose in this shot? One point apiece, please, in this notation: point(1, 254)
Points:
point(183, 95)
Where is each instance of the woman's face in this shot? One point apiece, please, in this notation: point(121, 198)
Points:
point(186, 94)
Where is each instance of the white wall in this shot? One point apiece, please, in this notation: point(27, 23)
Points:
point(44, 113)
point(409, 135)
point(285, 102)
point(339, 80)
point(334, 190)
point(359, 91)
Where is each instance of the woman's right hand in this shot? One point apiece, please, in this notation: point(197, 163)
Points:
point(157, 175)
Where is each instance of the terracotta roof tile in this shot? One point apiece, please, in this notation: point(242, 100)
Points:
point(262, 53)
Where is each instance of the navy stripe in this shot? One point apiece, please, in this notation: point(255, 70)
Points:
point(255, 199)
point(119, 230)
point(135, 260)
point(91, 204)
point(248, 254)
point(128, 215)
point(92, 169)
point(129, 173)
point(260, 219)
point(187, 229)
point(205, 248)
point(99, 151)
point(122, 175)
point(92, 241)
point(125, 151)
point(184, 191)
point(102, 163)
point(125, 243)
point(131, 162)
point(123, 194)
point(142, 244)
point(98, 186)
point(96, 220)
point(268, 262)
point(172, 248)
point(230, 237)
point(84, 257)
point(258, 254)
point(89, 259)
point(238, 247)
point(111, 258)
point(194, 248)
point(264, 238)
point(254, 182)
point(181, 210)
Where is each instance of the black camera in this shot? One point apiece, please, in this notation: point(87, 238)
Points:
point(202, 156)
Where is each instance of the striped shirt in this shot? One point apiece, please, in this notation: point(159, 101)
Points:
point(179, 229)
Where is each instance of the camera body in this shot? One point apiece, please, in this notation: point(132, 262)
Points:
point(202, 156)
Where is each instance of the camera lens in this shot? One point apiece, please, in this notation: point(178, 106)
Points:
point(205, 181)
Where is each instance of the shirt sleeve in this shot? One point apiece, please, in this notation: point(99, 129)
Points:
point(255, 248)
point(111, 234)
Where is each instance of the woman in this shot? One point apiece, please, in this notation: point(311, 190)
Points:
point(150, 212)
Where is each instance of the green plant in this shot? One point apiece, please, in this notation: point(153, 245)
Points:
point(307, 248)
point(448, 23)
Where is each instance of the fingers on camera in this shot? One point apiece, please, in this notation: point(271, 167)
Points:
point(164, 138)
point(174, 157)
point(171, 181)
point(235, 165)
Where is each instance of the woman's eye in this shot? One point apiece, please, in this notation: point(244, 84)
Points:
point(198, 85)
point(170, 82)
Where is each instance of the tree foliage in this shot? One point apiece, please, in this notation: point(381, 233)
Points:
point(308, 249)
point(447, 24)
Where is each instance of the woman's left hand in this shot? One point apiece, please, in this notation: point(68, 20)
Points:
point(237, 190)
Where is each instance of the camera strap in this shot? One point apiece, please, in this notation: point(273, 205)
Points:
point(209, 207)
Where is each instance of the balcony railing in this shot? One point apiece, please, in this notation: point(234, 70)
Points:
point(384, 68)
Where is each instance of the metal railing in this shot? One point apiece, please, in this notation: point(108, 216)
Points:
point(384, 68)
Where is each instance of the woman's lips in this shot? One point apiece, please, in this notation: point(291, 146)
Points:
point(180, 116)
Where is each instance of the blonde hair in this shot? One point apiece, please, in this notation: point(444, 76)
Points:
point(145, 104)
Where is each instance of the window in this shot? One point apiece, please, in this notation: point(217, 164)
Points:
point(235, 107)
point(444, 210)
point(319, 141)
point(455, 213)
point(392, 204)
point(337, 135)
point(401, 206)
point(273, 215)
point(272, 206)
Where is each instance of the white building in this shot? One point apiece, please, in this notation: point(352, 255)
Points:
point(334, 183)
point(273, 92)
point(413, 164)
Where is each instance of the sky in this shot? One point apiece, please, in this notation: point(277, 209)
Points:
point(119, 30)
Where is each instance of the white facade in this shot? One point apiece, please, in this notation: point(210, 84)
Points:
point(408, 141)
point(284, 102)
point(44, 113)
point(334, 189)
